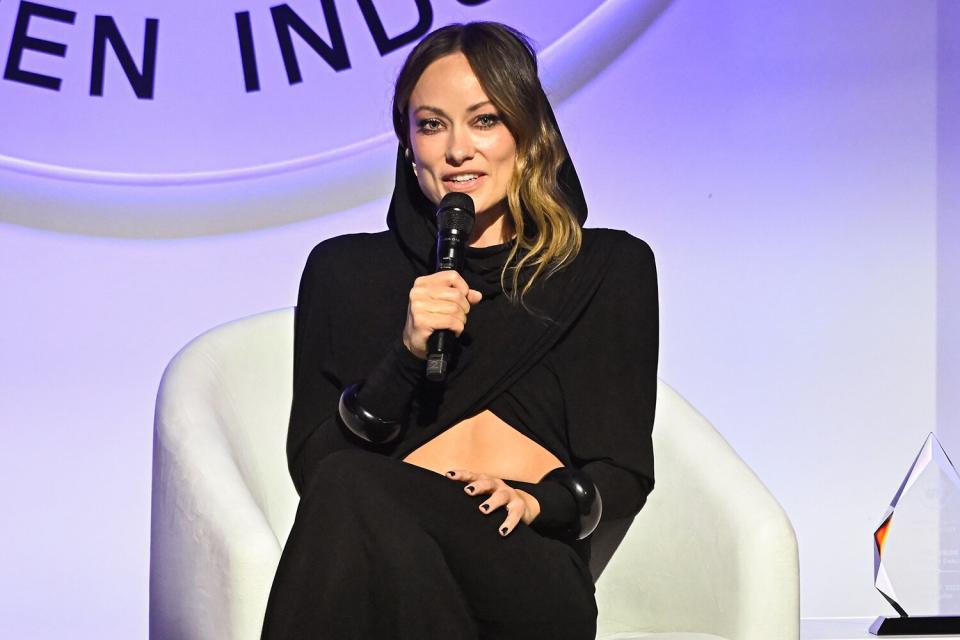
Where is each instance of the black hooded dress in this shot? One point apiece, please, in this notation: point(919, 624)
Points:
point(579, 378)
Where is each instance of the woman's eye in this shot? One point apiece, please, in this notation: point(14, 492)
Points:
point(487, 120)
point(428, 126)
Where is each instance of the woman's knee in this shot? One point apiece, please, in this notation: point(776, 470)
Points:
point(351, 472)
point(335, 469)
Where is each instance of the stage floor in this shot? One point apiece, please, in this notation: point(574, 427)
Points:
point(843, 629)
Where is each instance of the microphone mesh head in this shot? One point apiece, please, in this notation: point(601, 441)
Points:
point(456, 212)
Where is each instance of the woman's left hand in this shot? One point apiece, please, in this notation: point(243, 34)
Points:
point(520, 505)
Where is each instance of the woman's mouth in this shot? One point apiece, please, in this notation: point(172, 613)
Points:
point(463, 181)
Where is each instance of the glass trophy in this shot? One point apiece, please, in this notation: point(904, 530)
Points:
point(916, 549)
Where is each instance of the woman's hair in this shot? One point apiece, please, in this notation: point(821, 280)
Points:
point(505, 64)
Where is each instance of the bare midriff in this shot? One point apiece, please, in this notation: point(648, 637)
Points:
point(485, 444)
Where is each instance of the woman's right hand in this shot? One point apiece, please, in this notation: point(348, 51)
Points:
point(440, 300)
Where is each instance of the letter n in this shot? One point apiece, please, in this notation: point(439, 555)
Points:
point(335, 54)
point(105, 29)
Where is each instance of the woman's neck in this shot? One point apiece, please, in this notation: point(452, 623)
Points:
point(492, 227)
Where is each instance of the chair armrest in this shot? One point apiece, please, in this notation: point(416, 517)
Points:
point(712, 551)
point(213, 554)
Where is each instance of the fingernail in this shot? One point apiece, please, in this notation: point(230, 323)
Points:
point(503, 531)
point(470, 488)
point(451, 473)
point(485, 507)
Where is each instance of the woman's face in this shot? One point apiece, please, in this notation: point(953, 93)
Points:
point(458, 141)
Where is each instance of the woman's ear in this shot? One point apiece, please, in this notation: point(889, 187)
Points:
point(408, 154)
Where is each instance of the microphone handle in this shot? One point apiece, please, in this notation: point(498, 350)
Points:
point(439, 348)
point(441, 343)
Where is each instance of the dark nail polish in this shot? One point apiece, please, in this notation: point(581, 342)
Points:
point(485, 507)
point(451, 473)
point(470, 489)
point(503, 531)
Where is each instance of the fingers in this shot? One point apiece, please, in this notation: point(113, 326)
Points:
point(513, 517)
point(439, 308)
point(445, 296)
point(449, 279)
point(501, 495)
point(448, 283)
point(465, 475)
point(438, 301)
point(513, 506)
point(452, 279)
point(427, 316)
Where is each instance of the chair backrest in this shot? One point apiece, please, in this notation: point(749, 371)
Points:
point(675, 422)
point(711, 551)
point(250, 363)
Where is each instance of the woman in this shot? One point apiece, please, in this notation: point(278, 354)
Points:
point(463, 509)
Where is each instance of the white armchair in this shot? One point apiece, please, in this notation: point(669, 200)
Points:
point(712, 555)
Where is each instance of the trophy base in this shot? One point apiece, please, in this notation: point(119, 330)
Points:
point(915, 625)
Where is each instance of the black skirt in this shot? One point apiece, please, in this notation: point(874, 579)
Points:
point(381, 548)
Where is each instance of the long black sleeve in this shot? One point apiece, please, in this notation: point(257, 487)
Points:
point(609, 389)
point(387, 391)
point(315, 429)
point(610, 381)
point(316, 389)
point(558, 508)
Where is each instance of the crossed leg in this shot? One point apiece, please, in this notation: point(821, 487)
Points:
point(383, 548)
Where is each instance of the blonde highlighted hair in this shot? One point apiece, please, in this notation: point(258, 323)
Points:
point(505, 63)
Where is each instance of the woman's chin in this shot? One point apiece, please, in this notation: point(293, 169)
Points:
point(483, 206)
point(478, 200)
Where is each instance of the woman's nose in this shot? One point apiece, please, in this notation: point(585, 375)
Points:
point(460, 146)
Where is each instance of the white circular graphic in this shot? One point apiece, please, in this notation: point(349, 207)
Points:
point(167, 119)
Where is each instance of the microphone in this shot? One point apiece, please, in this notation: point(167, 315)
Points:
point(455, 218)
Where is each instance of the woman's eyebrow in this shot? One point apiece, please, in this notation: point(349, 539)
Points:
point(474, 107)
point(439, 111)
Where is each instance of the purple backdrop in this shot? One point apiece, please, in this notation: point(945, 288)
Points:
point(785, 161)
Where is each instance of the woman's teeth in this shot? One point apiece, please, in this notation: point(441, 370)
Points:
point(467, 177)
